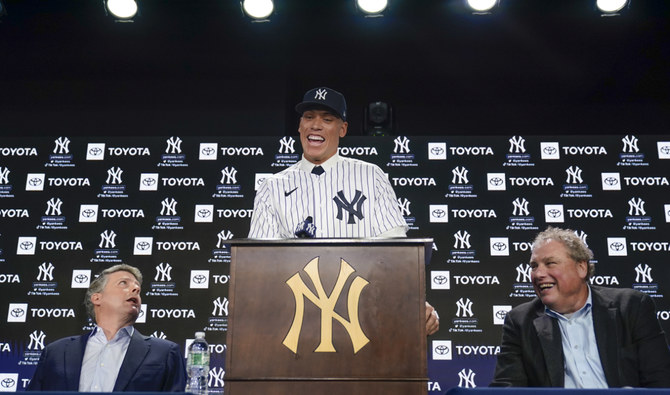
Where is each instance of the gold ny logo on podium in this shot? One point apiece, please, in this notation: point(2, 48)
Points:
point(327, 305)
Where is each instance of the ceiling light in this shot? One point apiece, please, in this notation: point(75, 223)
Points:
point(372, 7)
point(122, 10)
point(611, 6)
point(258, 9)
point(482, 5)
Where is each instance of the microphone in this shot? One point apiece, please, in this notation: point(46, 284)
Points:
point(306, 229)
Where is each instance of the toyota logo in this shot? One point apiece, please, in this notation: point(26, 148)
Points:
point(499, 246)
point(204, 213)
point(199, 279)
point(549, 150)
point(501, 314)
point(88, 213)
point(208, 151)
point(80, 278)
point(440, 280)
point(437, 150)
point(496, 181)
point(665, 149)
point(95, 151)
point(149, 182)
point(17, 312)
point(610, 181)
point(26, 245)
point(439, 213)
point(143, 245)
point(442, 350)
point(35, 181)
point(617, 246)
point(7, 383)
point(554, 213)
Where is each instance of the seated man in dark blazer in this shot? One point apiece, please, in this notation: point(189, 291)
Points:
point(115, 356)
point(575, 335)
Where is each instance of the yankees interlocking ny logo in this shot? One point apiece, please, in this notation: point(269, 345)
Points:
point(343, 204)
point(327, 305)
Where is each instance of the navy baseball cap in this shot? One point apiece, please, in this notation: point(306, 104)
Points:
point(326, 98)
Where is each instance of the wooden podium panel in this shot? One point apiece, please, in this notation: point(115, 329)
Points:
point(279, 341)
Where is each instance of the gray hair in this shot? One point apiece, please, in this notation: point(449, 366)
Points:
point(100, 282)
point(577, 248)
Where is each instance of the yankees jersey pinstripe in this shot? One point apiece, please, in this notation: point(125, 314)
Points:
point(351, 199)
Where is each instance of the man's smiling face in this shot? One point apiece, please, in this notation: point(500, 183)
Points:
point(559, 280)
point(320, 133)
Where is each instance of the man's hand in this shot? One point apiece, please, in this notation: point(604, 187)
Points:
point(432, 320)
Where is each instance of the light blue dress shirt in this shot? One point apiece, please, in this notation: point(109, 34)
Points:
point(103, 359)
point(583, 368)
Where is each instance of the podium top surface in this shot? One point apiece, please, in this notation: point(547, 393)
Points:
point(329, 241)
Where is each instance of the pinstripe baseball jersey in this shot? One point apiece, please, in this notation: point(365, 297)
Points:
point(352, 198)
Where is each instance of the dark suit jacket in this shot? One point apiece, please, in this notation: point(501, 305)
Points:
point(150, 364)
point(632, 346)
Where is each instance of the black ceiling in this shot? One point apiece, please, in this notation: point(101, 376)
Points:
point(536, 66)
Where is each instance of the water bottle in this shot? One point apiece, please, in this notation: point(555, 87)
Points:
point(197, 365)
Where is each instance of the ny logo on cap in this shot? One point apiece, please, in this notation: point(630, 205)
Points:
point(321, 94)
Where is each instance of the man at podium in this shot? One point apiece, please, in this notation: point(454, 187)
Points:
point(325, 194)
point(576, 335)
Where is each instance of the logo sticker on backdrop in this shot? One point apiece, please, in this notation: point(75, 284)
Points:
point(35, 181)
point(228, 187)
point(630, 153)
point(517, 155)
point(163, 284)
point(466, 378)
point(403, 204)
point(45, 284)
point(17, 312)
point(437, 151)
point(465, 320)
point(644, 282)
point(550, 151)
point(610, 181)
point(462, 251)
point(286, 155)
point(36, 343)
point(113, 186)
point(440, 279)
point(499, 314)
point(637, 218)
point(53, 218)
point(5, 186)
point(60, 156)
point(149, 182)
point(199, 279)
point(107, 251)
point(402, 156)
point(499, 246)
point(574, 186)
point(521, 218)
point(460, 186)
point(168, 218)
point(26, 245)
point(553, 213)
point(221, 252)
point(9, 382)
point(81, 278)
point(173, 156)
point(522, 286)
point(438, 213)
point(442, 350)
point(208, 151)
point(663, 148)
point(218, 321)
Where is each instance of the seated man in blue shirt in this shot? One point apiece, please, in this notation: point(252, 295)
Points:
point(115, 356)
point(574, 335)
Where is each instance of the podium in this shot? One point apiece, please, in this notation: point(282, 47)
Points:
point(327, 316)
